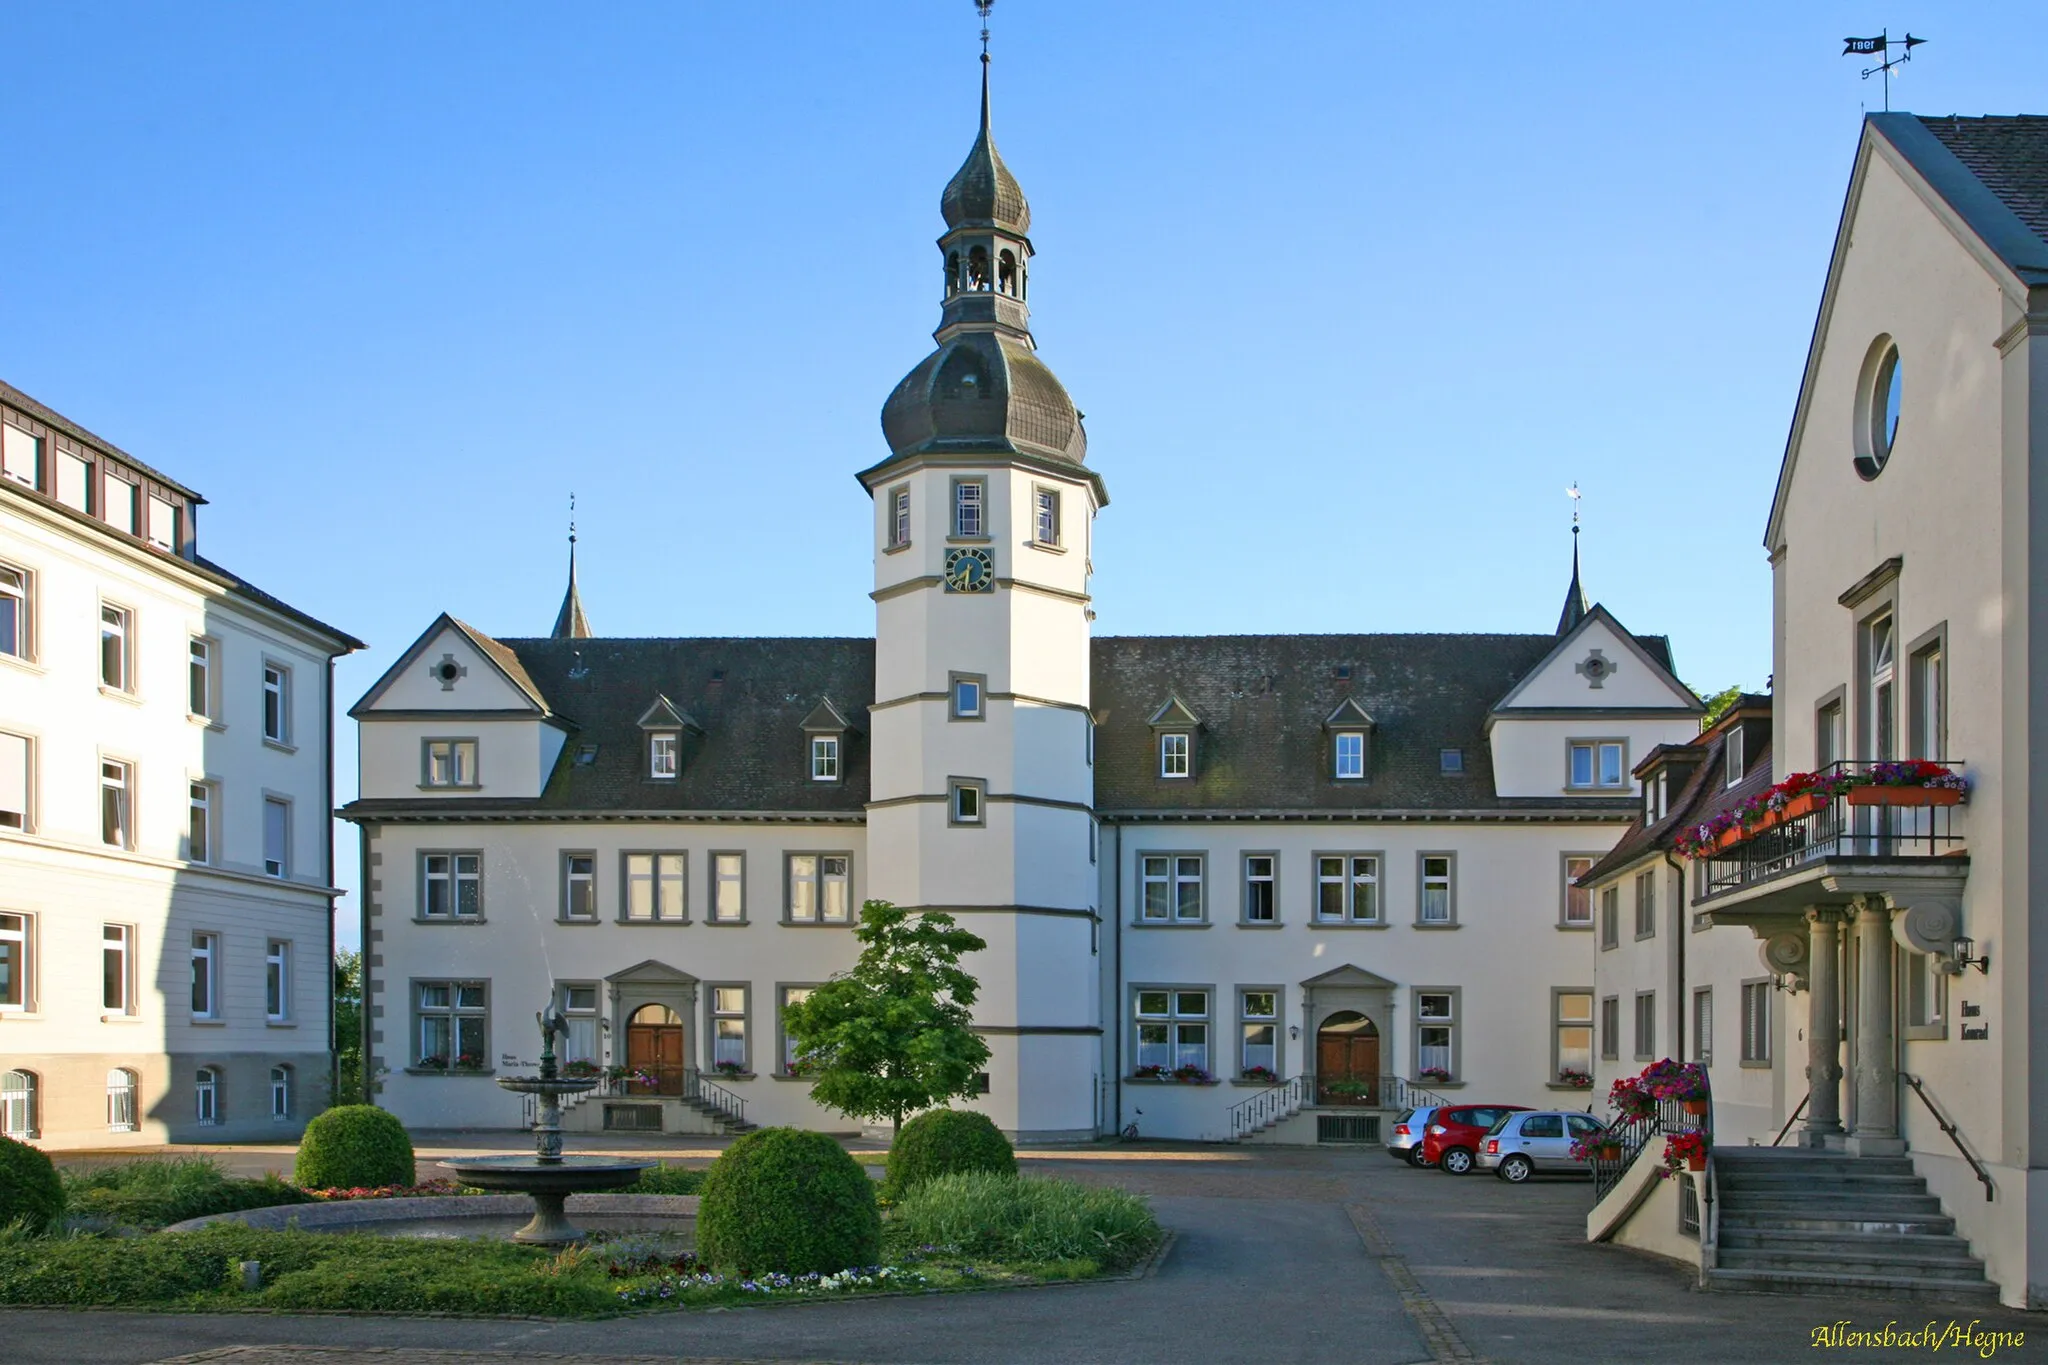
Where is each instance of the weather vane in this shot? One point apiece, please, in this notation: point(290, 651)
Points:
point(1881, 47)
point(982, 7)
point(572, 518)
point(1574, 494)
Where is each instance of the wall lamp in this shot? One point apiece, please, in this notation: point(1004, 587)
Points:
point(1960, 959)
point(1294, 1033)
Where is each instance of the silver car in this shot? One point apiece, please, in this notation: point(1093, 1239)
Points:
point(1404, 1135)
point(1522, 1144)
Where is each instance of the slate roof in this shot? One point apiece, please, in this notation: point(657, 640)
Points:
point(245, 588)
point(1707, 794)
point(2009, 154)
point(50, 417)
point(1992, 171)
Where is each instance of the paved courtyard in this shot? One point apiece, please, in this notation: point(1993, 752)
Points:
point(1282, 1255)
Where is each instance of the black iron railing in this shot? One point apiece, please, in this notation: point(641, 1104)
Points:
point(1283, 1099)
point(677, 1083)
point(1954, 1134)
point(1268, 1107)
point(1840, 826)
point(1640, 1133)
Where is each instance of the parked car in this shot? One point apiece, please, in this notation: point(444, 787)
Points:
point(1404, 1139)
point(1520, 1145)
point(1451, 1141)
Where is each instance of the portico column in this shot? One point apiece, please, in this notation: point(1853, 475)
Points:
point(1823, 1029)
point(1876, 1046)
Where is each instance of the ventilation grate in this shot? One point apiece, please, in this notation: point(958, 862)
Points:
point(1347, 1128)
point(632, 1118)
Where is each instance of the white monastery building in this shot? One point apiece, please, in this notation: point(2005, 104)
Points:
point(166, 877)
point(1316, 876)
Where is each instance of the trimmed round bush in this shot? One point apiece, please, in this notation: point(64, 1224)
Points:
point(786, 1200)
point(30, 1192)
point(947, 1142)
point(354, 1145)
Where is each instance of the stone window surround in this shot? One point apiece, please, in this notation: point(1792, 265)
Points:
point(129, 943)
point(1609, 1041)
point(414, 1012)
point(1171, 1018)
point(279, 951)
point(1575, 741)
point(1702, 1044)
point(710, 990)
point(1034, 540)
point(955, 788)
point(213, 953)
point(282, 740)
point(213, 805)
point(896, 529)
point(660, 915)
point(1558, 1024)
point(1456, 1024)
point(1838, 698)
point(1277, 1019)
point(32, 742)
point(602, 1026)
point(1138, 898)
point(420, 915)
point(1316, 918)
point(124, 686)
point(29, 975)
point(1646, 905)
point(1244, 881)
point(1645, 1038)
point(427, 782)
point(789, 857)
point(272, 797)
point(1564, 893)
point(954, 533)
point(1936, 640)
point(782, 990)
point(1762, 1059)
point(562, 914)
point(1422, 888)
point(953, 711)
point(1607, 913)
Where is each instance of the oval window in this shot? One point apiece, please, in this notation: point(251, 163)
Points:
point(1881, 401)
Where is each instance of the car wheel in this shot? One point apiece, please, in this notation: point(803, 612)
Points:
point(1456, 1160)
point(1414, 1155)
point(1516, 1169)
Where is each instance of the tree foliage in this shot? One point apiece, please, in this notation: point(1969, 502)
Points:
point(348, 1028)
point(1718, 704)
point(891, 1036)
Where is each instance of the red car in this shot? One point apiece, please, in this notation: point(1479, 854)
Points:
point(1455, 1131)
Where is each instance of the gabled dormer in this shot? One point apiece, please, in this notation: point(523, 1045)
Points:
point(1663, 773)
point(666, 728)
point(826, 730)
point(1349, 732)
point(1174, 728)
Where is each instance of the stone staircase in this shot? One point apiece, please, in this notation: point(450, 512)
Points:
point(1794, 1221)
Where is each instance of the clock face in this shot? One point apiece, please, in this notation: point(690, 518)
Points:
point(972, 570)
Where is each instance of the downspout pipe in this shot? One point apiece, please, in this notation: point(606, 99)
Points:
point(1115, 1021)
point(1681, 930)
point(327, 872)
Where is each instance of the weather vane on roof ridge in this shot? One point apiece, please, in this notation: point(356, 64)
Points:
point(1574, 494)
point(1881, 47)
point(982, 7)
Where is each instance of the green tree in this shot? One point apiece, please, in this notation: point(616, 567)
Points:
point(891, 1036)
point(348, 1029)
point(1718, 704)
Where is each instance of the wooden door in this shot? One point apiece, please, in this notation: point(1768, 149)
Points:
point(1348, 1064)
point(654, 1047)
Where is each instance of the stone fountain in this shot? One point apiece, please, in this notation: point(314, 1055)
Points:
point(547, 1177)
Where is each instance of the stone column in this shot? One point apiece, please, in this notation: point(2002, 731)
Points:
point(1875, 1041)
point(1823, 1126)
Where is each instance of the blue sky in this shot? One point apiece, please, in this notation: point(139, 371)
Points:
point(1349, 293)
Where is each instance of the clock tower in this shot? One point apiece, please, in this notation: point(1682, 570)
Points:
point(982, 748)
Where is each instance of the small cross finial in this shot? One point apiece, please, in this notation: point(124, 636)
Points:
point(1574, 494)
point(982, 7)
point(572, 518)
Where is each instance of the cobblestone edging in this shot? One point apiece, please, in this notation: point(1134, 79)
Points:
point(1442, 1339)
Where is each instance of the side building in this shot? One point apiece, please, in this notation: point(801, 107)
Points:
point(166, 874)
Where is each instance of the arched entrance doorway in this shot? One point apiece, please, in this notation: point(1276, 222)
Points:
point(654, 1048)
point(1348, 1060)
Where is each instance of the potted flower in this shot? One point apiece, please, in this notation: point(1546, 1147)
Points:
point(1685, 1082)
point(1629, 1098)
point(1575, 1078)
point(1909, 782)
point(435, 1062)
point(1151, 1071)
point(1687, 1149)
point(1604, 1145)
point(468, 1061)
point(1264, 1075)
point(729, 1068)
point(1434, 1073)
point(1348, 1089)
point(580, 1069)
point(1193, 1075)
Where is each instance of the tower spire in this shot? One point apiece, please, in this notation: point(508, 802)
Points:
point(1575, 604)
point(570, 622)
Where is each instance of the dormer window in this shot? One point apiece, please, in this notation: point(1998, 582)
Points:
point(1736, 762)
point(824, 758)
point(450, 763)
point(1176, 755)
point(664, 756)
point(1174, 725)
point(1350, 730)
point(665, 724)
point(1350, 755)
point(825, 731)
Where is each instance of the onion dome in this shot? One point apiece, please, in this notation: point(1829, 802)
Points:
point(982, 191)
point(983, 391)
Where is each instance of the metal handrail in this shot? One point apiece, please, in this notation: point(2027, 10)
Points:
point(728, 1105)
point(1278, 1101)
point(1799, 1109)
point(1954, 1135)
point(1636, 1131)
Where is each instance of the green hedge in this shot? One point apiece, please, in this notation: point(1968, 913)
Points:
point(30, 1192)
point(1014, 1219)
point(354, 1145)
point(945, 1142)
point(153, 1193)
point(667, 1179)
point(788, 1200)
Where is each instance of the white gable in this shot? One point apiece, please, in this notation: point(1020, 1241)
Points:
point(1599, 667)
point(446, 670)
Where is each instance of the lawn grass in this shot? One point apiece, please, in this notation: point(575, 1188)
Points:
point(157, 1191)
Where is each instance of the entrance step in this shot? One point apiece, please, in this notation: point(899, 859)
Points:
point(1826, 1283)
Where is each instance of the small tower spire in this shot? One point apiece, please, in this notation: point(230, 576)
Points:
point(1575, 604)
point(570, 622)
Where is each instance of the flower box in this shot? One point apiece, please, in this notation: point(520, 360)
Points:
point(1905, 796)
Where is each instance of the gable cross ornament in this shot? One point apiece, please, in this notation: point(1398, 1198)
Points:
point(1596, 668)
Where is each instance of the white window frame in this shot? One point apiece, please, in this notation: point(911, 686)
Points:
point(117, 968)
point(117, 781)
point(1445, 882)
point(1438, 1011)
point(446, 867)
point(1563, 1022)
point(728, 870)
point(664, 756)
point(1045, 517)
point(1881, 685)
point(281, 1088)
point(123, 510)
point(17, 810)
point(1927, 696)
point(277, 815)
point(199, 695)
point(1173, 874)
point(654, 886)
point(967, 802)
point(1354, 872)
point(1348, 756)
point(123, 1087)
point(1251, 1020)
point(206, 963)
point(970, 509)
point(277, 702)
point(1175, 1018)
point(898, 534)
point(787, 994)
point(1260, 873)
point(449, 762)
point(824, 758)
point(1732, 752)
point(18, 586)
point(117, 632)
point(967, 695)
point(583, 878)
point(20, 931)
point(579, 1002)
point(161, 511)
point(1176, 754)
point(728, 1003)
point(1606, 764)
point(812, 885)
point(202, 800)
point(20, 1098)
point(277, 981)
point(457, 1010)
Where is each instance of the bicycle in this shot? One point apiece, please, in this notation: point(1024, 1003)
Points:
point(1130, 1130)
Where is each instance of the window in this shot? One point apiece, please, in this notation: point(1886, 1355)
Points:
point(1347, 888)
point(1578, 900)
point(121, 1100)
point(579, 886)
point(14, 946)
point(964, 800)
point(1571, 1033)
point(280, 1092)
point(124, 508)
point(729, 1028)
point(1756, 1023)
point(824, 758)
point(277, 981)
point(1045, 521)
point(654, 886)
point(1880, 398)
point(18, 1105)
point(1610, 915)
point(21, 456)
point(792, 1060)
point(453, 1020)
point(819, 888)
point(1171, 890)
point(1928, 724)
point(899, 516)
point(1646, 904)
point(967, 694)
point(1646, 1025)
point(199, 678)
point(199, 823)
point(14, 611)
point(1703, 1025)
point(1737, 762)
point(74, 481)
point(1259, 1034)
point(450, 762)
point(1598, 763)
point(277, 829)
point(1827, 734)
point(277, 704)
point(14, 781)
point(1450, 762)
point(968, 499)
point(1880, 690)
point(1173, 1030)
point(117, 968)
point(1437, 901)
point(206, 1095)
point(1175, 753)
point(728, 887)
point(163, 523)
point(662, 755)
point(451, 885)
point(116, 625)
point(1926, 995)
point(1436, 1023)
point(1259, 906)
point(115, 780)
point(1350, 755)
point(579, 1011)
point(1093, 837)
point(206, 976)
point(1610, 1027)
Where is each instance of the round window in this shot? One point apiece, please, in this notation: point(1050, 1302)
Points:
point(1880, 404)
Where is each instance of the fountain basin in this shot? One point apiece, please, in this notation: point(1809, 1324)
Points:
point(548, 1182)
point(666, 1216)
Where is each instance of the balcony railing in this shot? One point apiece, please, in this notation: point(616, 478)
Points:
point(1865, 822)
